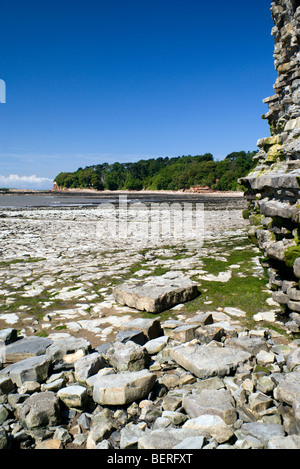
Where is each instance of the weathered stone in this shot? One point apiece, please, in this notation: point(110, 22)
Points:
point(150, 327)
point(3, 438)
point(294, 306)
point(252, 345)
point(156, 295)
point(201, 319)
point(192, 442)
point(123, 388)
point(134, 336)
point(296, 267)
point(4, 413)
point(6, 386)
point(211, 401)
point(73, 396)
point(288, 390)
point(206, 334)
point(259, 402)
point(51, 443)
point(99, 432)
point(88, 366)
point(40, 410)
point(30, 369)
point(155, 346)
point(286, 442)
point(293, 294)
point(176, 418)
point(184, 333)
point(210, 426)
point(130, 436)
point(205, 361)
point(7, 336)
point(280, 297)
point(263, 432)
point(26, 348)
point(127, 357)
point(293, 360)
point(166, 438)
point(67, 346)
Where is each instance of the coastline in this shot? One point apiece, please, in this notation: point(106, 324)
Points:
point(108, 192)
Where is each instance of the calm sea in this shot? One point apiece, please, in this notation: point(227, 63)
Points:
point(211, 201)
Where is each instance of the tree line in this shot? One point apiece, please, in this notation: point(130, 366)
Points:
point(176, 173)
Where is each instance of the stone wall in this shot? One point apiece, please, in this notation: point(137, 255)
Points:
point(273, 185)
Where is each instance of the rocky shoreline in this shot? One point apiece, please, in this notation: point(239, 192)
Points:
point(81, 371)
point(173, 385)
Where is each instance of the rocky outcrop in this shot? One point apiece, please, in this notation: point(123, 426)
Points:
point(273, 185)
point(240, 390)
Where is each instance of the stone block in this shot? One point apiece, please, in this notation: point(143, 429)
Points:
point(151, 328)
point(25, 348)
point(123, 388)
point(156, 295)
point(205, 361)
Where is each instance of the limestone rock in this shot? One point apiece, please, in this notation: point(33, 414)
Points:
point(26, 348)
point(211, 401)
point(40, 410)
point(156, 295)
point(210, 426)
point(151, 328)
point(30, 369)
point(123, 388)
point(205, 361)
point(167, 438)
point(127, 357)
point(73, 396)
point(88, 366)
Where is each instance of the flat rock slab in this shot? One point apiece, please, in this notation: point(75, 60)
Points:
point(205, 361)
point(123, 388)
point(211, 401)
point(30, 369)
point(151, 328)
point(26, 348)
point(167, 438)
point(157, 294)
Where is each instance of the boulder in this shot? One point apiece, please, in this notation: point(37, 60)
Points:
point(30, 369)
point(40, 410)
point(205, 361)
point(288, 390)
point(252, 345)
point(67, 346)
point(211, 401)
point(123, 388)
point(73, 396)
point(151, 328)
point(127, 357)
point(88, 366)
point(263, 432)
point(210, 426)
point(166, 438)
point(26, 348)
point(156, 295)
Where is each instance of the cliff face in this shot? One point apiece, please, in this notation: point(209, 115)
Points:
point(273, 187)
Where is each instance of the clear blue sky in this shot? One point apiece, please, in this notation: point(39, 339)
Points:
point(120, 80)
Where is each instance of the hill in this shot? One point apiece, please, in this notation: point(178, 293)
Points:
point(174, 173)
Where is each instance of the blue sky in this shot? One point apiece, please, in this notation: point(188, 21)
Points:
point(120, 80)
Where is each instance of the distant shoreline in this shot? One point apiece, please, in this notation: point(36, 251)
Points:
point(93, 191)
